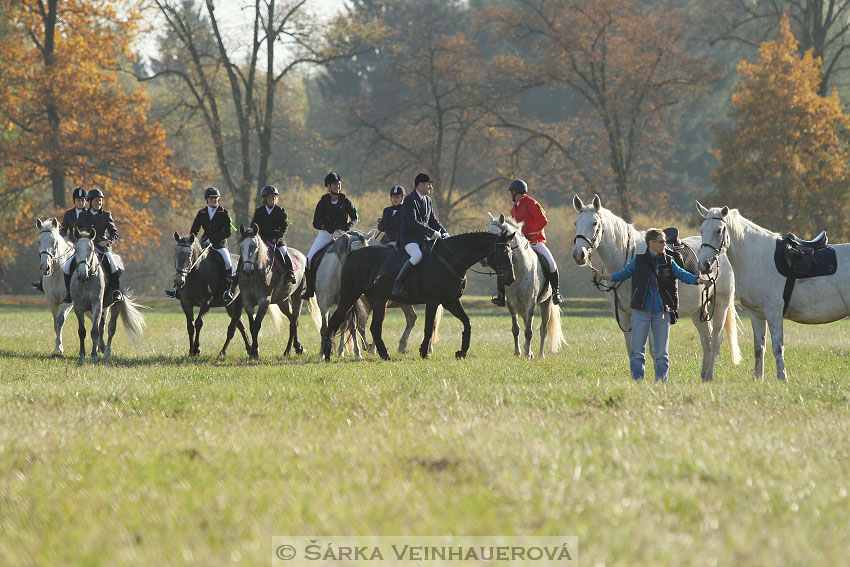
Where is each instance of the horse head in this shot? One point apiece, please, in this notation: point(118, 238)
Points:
point(589, 229)
point(87, 263)
point(501, 257)
point(715, 236)
point(251, 249)
point(186, 253)
point(358, 240)
point(49, 241)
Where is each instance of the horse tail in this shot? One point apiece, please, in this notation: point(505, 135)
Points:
point(438, 316)
point(731, 327)
point(554, 332)
point(315, 312)
point(276, 316)
point(132, 318)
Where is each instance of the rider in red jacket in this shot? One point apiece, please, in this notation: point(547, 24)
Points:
point(528, 211)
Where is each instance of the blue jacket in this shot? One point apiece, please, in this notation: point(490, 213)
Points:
point(652, 301)
point(417, 220)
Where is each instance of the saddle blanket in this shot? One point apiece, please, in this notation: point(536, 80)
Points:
point(822, 262)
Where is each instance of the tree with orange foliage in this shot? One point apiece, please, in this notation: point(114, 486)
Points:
point(785, 161)
point(620, 64)
point(69, 122)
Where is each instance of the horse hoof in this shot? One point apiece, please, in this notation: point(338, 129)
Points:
point(460, 355)
point(56, 353)
point(385, 357)
point(299, 349)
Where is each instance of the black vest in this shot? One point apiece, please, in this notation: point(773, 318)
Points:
point(667, 283)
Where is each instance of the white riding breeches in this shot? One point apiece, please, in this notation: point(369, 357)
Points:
point(226, 257)
point(66, 267)
point(282, 250)
point(541, 248)
point(414, 251)
point(323, 238)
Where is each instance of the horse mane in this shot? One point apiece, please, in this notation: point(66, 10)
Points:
point(618, 227)
point(339, 245)
point(738, 225)
point(194, 247)
point(262, 249)
point(517, 226)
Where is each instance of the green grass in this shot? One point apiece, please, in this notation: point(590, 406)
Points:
point(155, 458)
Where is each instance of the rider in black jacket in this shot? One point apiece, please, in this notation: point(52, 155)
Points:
point(273, 223)
point(69, 223)
point(217, 225)
point(335, 213)
point(390, 221)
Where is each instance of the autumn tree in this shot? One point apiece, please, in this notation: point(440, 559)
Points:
point(68, 121)
point(622, 63)
point(785, 161)
point(283, 39)
point(820, 25)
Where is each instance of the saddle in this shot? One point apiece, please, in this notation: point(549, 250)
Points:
point(684, 255)
point(394, 261)
point(799, 258)
point(277, 261)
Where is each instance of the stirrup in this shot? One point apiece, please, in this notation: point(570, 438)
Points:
point(171, 292)
point(556, 298)
point(228, 297)
point(117, 295)
point(290, 276)
point(498, 299)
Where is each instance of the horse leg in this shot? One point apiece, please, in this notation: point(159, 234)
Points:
point(704, 329)
point(352, 330)
point(545, 315)
point(199, 324)
point(716, 342)
point(293, 328)
point(286, 309)
point(529, 330)
point(430, 314)
point(331, 327)
point(101, 345)
point(456, 309)
point(190, 326)
point(81, 332)
point(774, 323)
point(96, 319)
point(262, 307)
point(759, 328)
point(113, 323)
point(514, 328)
point(379, 311)
point(60, 312)
point(410, 320)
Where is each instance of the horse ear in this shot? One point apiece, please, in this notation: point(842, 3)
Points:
point(501, 218)
point(255, 229)
point(177, 236)
point(597, 203)
point(371, 234)
point(724, 211)
point(192, 238)
point(702, 210)
point(54, 221)
point(490, 217)
point(38, 223)
point(577, 204)
point(76, 233)
point(242, 229)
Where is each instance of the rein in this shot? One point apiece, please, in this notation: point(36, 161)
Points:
point(708, 294)
point(195, 263)
point(613, 286)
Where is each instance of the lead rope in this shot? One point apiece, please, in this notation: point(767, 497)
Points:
point(707, 303)
point(614, 286)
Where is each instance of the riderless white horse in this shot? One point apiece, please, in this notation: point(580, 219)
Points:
point(527, 291)
point(616, 242)
point(726, 233)
point(88, 287)
point(53, 251)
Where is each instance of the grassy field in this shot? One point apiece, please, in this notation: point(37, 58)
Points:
point(152, 458)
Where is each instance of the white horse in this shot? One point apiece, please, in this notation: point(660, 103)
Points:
point(328, 282)
point(525, 293)
point(616, 242)
point(53, 251)
point(750, 249)
point(88, 286)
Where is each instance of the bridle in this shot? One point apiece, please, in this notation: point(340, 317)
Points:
point(592, 242)
point(724, 239)
point(91, 262)
point(254, 247)
point(52, 253)
point(192, 264)
point(708, 294)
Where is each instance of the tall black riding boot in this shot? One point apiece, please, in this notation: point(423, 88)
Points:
point(553, 281)
point(39, 285)
point(117, 287)
point(230, 282)
point(310, 274)
point(499, 298)
point(289, 274)
point(67, 298)
point(400, 284)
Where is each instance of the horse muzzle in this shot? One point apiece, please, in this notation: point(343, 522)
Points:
point(580, 255)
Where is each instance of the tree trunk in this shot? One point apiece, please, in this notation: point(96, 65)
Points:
point(57, 171)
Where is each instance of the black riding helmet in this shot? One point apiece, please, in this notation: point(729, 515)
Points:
point(269, 190)
point(78, 193)
point(396, 190)
point(211, 192)
point(94, 194)
point(518, 186)
point(332, 178)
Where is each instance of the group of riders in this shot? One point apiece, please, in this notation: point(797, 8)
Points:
point(408, 223)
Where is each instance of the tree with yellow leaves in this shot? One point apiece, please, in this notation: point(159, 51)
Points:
point(785, 160)
point(68, 121)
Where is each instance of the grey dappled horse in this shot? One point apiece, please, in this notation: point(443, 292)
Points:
point(53, 250)
point(88, 286)
point(264, 288)
point(526, 292)
point(200, 283)
point(726, 233)
point(616, 242)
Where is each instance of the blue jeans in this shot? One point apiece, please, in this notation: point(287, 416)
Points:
point(642, 323)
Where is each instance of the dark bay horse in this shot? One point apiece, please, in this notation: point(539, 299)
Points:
point(200, 283)
point(439, 279)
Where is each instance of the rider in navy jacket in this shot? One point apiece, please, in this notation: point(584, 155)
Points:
point(69, 223)
point(272, 222)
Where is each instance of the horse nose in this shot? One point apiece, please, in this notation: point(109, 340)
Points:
point(579, 256)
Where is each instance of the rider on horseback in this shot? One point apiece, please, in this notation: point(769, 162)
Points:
point(273, 223)
point(335, 213)
point(69, 223)
point(217, 225)
point(105, 235)
point(390, 221)
point(417, 223)
point(531, 214)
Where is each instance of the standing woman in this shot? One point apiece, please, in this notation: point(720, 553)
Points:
point(390, 221)
point(335, 213)
point(273, 224)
